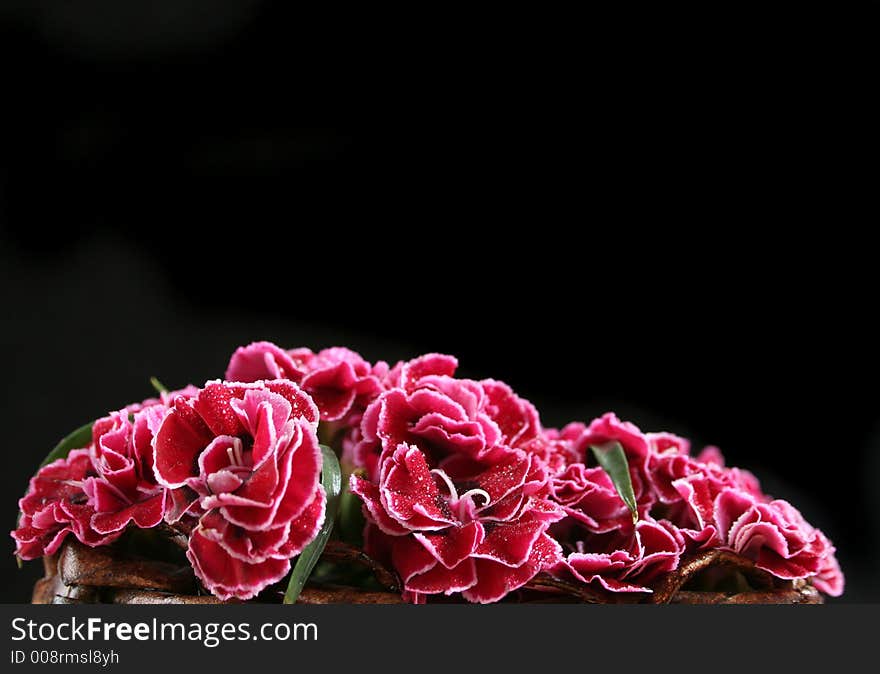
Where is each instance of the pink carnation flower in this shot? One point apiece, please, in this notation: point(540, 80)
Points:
point(608, 428)
point(777, 538)
point(625, 560)
point(342, 383)
point(461, 424)
point(553, 450)
point(587, 493)
point(604, 547)
point(684, 503)
point(245, 459)
point(829, 578)
point(687, 487)
point(339, 380)
point(265, 361)
point(125, 488)
point(55, 506)
point(588, 496)
point(483, 538)
point(98, 490)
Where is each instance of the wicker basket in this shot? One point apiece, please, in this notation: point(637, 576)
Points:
point(79, 574)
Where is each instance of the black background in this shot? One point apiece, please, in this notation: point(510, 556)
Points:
point(604, 215)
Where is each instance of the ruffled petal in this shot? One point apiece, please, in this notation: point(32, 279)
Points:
point(262, 360)
point(374, 512)
point(410, 495)
point(180, 440)
point(333, 388)
point(228, 577)
point(305, 527)
point(144, 514)
point(439, 579)
point(495, 581)
point(454, 544)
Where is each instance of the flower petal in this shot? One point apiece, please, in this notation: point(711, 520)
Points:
point(305, 527)
point(510, 543)
point(505, 475)
point(214, 407)
point(374, 511)
point(439, 579)
point(262, 360)
point(495, 581)
point(410, 557)
point(228, 577)
point(144, 514)
point(410, 495)
point(180, 440)
point(429, 364)
point(454, 544)
point(333, 389)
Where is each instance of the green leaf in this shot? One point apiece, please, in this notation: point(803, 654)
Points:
point(78, 439)
point(158, 385)
point(331, 479)
point(612, 459)
point(351, 519)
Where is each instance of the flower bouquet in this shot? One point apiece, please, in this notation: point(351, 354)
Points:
point(319, 477)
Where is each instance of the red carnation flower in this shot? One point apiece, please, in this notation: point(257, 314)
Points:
point(55, 506)
point(589, 496)
point(684, 503)
point(608, 428)
point(686, 489)
point(483, 538)
point(553, 450)
point(342, 384)
point(125, 488)
point(777, 538)
point(624, 560)
point(339, 380)
point(264, 361)
point(244, 458)
point(461, 424)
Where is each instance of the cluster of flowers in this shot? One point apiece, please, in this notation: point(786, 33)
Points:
point(463, 490)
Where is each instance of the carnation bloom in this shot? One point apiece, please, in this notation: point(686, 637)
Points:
point(718, 507)
point(777, 538)
point(461, 424)
point(604, 547)
point(685, 503)
point(587, 493)
point(483, 538)
point(125, 488)
point(829, 578)
point(686, 488)
point(608, 428)
point(589, 496)
point(96, 491)
point(342, 383)
point(55, 506)
point(339, 380)
point(626, 559)
point(245, 459)
point(555, 451)
point(264, 360)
